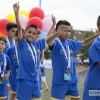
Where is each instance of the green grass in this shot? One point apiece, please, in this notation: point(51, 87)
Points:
point(47, 96)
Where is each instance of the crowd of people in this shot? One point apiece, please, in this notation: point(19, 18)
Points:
point(21, 62)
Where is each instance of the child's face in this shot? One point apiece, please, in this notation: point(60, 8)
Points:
point(37, 36)
point(2, 46)
point(66, 34)
point(11, 33)
point(99, 28)
point(30, 35)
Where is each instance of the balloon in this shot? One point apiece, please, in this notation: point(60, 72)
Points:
point(36, 21)
point(3, 24)
point(43, 34)
point(23, 20)
point(24, 12)
point(47, 23)
point(11, 17)
point(48, 15)
point(37, 12)
point(4, 35)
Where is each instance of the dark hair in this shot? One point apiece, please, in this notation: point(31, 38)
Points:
point(16, 34)
point(98, 21)
point(10, 26)
point(62, 22)
point(31, 26)
point(38, 31)
point(3, 39)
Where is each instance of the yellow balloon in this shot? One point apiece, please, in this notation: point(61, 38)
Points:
point(11, 17)
point(24, 12)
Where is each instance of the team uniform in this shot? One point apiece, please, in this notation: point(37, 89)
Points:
point(92, 81)
point(60, 86)
point(3, 67)
point(14, 67)
point(28, 71)
point(9, 44)
point(37, 46)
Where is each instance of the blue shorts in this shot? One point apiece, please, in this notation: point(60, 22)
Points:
point(13, 88)
point(27, 90)
point(60, 91)
point(3, 90)
point(86, 94)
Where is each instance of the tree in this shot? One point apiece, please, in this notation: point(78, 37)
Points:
point(47, 54)
point(72, 33)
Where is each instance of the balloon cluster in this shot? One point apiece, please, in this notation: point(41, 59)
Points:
point(36, 16)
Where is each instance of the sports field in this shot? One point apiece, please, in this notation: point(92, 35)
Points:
point(46, 95)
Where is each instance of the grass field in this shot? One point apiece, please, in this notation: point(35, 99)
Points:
point(46, 95)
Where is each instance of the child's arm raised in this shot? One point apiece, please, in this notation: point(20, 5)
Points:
point(50, 39)
point(90, 39)
point(53, 26)
point(16, 10)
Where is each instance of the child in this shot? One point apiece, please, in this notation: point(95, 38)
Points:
point(43, 76)
point(4, 69)
point(39, 59)
point(13, 55)
point(92, 81)
point(28, 71)
point(38, 35)
point(64, 80)
point(41, 54)
point(11, 30)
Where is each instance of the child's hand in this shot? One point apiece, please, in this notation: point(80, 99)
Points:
point(54, 20)
point(61, 29)
point(16, 7)
point(6, 76)
point(46, 47)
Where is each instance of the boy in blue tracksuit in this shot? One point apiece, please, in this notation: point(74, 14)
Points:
point(11, 30)
point(4, 69)
point(28, 70)
point(13, 55)
point(92, 81)
point(63, 49)
point(41, 53)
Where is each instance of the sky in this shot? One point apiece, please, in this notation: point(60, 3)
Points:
point(82, 14)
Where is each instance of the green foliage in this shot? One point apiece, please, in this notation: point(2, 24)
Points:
point(84, 50)
point(47, 54)
point(72, 33)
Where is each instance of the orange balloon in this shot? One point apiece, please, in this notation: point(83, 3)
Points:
point(4, 35)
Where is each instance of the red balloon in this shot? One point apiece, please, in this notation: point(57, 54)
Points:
point(4, 35)
point(36, 21)
point(3, 24)
point(36, 12)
